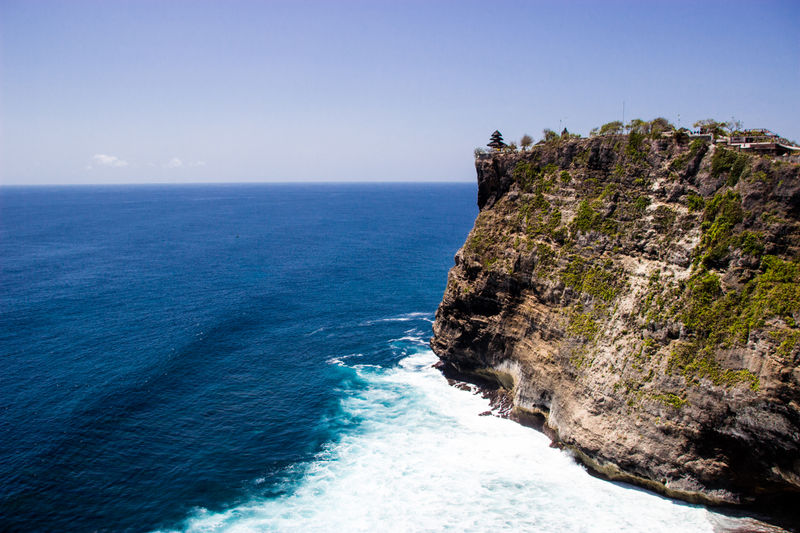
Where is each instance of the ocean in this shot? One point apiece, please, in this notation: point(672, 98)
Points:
point(255, 358)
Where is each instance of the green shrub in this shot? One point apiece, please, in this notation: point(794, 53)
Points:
point(553, 221)
point(695, 202)
point(670, 399)
point(694, 362)
point(721, 215)
point(703, 290)
point(545, 255)
point(775, 292)
point(582, 324)
point(641, 203)
point(634, 148)
point(733, 163)
point(596, 281)
point(695, 146)
point(750, 243)
point(584, 217)
point(721, 318)
point(524, 174)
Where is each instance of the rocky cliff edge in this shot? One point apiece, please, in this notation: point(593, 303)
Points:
point(642, 297)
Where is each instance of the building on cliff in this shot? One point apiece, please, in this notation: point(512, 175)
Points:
point(762, 141)
point(496, 141)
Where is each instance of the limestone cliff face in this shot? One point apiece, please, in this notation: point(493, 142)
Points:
point(643, 295)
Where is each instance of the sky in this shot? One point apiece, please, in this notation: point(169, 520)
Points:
point(181, 91)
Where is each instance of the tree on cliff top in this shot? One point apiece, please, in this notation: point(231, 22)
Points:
point(549, 135)
point(638, 125)
point(709, 125)
point(526, 141)
point(566, 135)
point(496, 140)
point(660, 125)
point(611, 128)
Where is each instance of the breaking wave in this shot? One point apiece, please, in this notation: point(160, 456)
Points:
point(420, 458)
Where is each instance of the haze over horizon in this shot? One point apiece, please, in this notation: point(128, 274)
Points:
point(243, 91)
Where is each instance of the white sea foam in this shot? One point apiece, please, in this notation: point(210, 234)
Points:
point(340, 361)
point(423, 460)
point(405, 317)
point(415, 339)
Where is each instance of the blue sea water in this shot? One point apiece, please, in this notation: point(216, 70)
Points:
point(254, 358)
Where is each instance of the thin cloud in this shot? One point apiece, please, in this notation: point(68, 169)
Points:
point(105, 160)
point(174, 163)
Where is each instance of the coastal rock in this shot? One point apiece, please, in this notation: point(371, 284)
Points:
point(639, 300)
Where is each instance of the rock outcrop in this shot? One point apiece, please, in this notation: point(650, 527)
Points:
point(643, 296)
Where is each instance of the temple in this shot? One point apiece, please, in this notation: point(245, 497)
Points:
point(496, 141)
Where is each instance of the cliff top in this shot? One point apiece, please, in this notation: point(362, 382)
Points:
point(642, 292)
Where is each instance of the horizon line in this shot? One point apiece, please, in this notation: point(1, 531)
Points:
point(179, 183)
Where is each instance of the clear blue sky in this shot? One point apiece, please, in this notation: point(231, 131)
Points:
point(191, 91)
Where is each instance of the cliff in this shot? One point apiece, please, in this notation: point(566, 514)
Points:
point(642, 297)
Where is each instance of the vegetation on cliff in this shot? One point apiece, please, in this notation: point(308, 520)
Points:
point(658, 276)
point(635, 206)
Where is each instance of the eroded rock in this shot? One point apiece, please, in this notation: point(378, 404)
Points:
point(642, 306)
